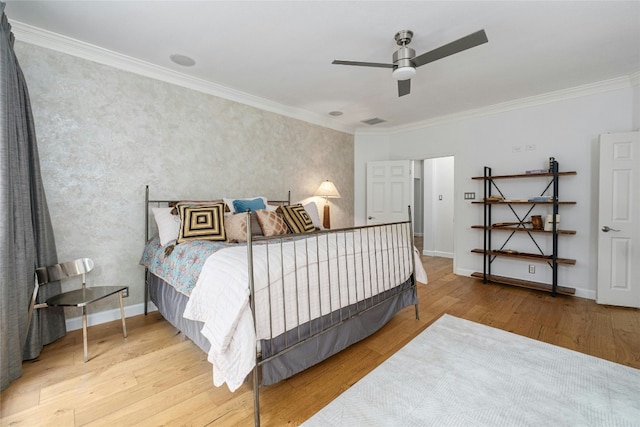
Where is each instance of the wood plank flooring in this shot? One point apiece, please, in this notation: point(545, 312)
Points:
point(156, 377)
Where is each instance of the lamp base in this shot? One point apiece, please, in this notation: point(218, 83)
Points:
point(326, 220)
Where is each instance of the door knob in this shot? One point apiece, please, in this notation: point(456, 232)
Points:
point(371, 217)
point(606, 229)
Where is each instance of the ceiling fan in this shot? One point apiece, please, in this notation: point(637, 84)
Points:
point(405, 60)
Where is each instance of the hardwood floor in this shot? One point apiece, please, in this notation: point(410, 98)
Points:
point(156, 377)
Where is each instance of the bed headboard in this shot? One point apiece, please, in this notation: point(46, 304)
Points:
point(148, 203)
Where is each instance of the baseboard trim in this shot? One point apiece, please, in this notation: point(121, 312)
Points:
point(74, 323)
point(437, 253)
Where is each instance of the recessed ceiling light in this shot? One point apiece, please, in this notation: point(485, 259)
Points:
point(335, 113)
point(374, 121)
point(182, 60)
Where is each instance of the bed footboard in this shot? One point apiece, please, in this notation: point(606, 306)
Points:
point(344, 285)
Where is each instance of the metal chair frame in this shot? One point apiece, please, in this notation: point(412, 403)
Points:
point(76, 298)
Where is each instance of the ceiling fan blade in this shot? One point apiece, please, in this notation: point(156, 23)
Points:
point(404, 87)
point(363, 64)
point(467, 42)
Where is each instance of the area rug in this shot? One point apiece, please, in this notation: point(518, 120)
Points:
point(461, 373)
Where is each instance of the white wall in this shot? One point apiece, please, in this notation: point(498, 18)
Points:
point(566, 129)
point(636, 104)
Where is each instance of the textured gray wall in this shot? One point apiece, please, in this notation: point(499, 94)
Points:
point(103, 134)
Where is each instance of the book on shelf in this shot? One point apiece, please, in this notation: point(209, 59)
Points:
point(536, 171)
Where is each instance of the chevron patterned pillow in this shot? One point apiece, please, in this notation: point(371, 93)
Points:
point(296, 218)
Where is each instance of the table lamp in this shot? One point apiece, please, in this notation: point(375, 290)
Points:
point(327, 190)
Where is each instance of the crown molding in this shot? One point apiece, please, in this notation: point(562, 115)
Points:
point(47, 39)
point(550, 97)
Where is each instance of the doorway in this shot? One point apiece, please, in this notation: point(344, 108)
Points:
point(438, 206)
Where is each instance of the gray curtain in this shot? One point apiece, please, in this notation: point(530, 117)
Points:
point(26, 235)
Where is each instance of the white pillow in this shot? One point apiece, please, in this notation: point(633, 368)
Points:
point(229, 202)
point(312, 210)
point(168, 224)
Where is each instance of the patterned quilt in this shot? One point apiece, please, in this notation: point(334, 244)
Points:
point(182, 266)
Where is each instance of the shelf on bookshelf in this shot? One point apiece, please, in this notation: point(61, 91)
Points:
point(523, 255)
point(520, 229)
point(525, 283)
point(525, 175)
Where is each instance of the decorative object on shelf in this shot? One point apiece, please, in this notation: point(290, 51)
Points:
point(548, 223)
point(509, 224)
point(541, 199)
point(536, 222)
point(491, 250)
point(329, 191)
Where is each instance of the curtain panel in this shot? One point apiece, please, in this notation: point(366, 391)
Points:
point(26, 233)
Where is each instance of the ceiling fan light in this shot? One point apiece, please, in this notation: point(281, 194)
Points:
point(403, 73)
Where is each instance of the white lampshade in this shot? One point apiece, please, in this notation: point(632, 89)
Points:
point(403, 73)
point(328, 190)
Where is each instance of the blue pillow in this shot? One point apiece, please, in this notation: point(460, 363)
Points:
point(251, 205)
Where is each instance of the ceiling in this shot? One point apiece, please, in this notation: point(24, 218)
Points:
point(281, 52)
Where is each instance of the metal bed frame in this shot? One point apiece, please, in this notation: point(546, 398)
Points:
point(393, 237)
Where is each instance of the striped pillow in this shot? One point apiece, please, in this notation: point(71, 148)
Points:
point(201, 222)
point(296, 218)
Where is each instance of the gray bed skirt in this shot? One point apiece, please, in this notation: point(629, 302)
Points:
point(347, 331)
point(171, 304)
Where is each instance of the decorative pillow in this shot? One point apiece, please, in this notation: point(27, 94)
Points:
point(252, 205)
point(271, 223)
point(168, 224)
point(175, 204)
point(201, 222)
point(296, 218)
point(229, 202)
point(312, 210)
point(235, 226)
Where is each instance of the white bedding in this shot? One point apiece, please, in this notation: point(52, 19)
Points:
point(220, 298)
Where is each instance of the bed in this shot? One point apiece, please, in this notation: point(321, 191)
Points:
point(273, 306)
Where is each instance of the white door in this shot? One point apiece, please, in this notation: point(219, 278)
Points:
point(618, 221)
point(389, 191)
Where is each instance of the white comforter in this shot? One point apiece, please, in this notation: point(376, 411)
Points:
point(324, 283)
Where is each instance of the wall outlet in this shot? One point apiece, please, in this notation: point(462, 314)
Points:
point(532, 269)
point(125, 293)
